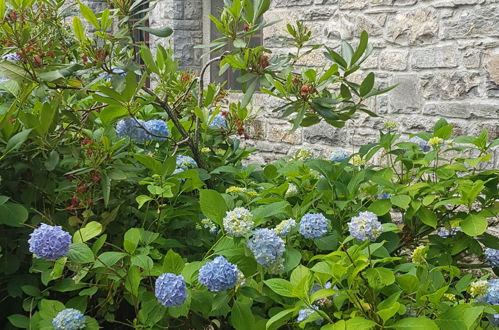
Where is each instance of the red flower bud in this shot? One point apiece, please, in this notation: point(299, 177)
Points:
point(264, 61)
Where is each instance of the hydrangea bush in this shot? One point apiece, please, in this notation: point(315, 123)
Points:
point(126, 200)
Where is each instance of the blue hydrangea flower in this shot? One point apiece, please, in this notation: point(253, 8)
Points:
point(423, 145)
point(132, 128)
point(313, 225)
point(285, 227)
point(219, 275)
point(218, 122)
point(384, 195)
point(445, 233)
point(170, 290)
point(365, 226)
point(3, 79)
point(184, 163)
point(11, 57)
point(492, 256)
point(49, 242)
point(305, 313)
point(238, 222)
point(158, 128)
point(69, 319)
point(268, 249)
point(492, 296)
point(339, 155)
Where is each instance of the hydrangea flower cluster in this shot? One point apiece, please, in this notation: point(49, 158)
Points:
point(208, 224)
point(419, 254)
point(219, 275)
point(291, 191)
point(235, 190)
point(158, 128)
point(313, 225)
point(238, 222)
point(492, 256)
point(134, 129)
point(357, 160)
point(423, 145)
point(339, 155)
point(69, 319)
point(305, 313)
point(303, 154)
point(285, 227)
point(384, 195)
point(492, 297)
point(184, 163)
point(479, 289)
point(49, 242)
point(170, 290)
point(445, 233)
point(268, 249)
point(365, 227)
point(435, 141)
point(131, 128)
point(218, 122)
point(11, 57)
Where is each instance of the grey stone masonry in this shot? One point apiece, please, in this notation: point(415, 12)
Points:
point(443, 54)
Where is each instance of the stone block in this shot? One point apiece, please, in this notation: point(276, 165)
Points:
point(292, 3)
point(353, 4)
point(435, 57)
point(463, 110)
point(413, 27)
point(406, 97)
point(283, 134)
point(394, 60)
point(450, 85)
point(469, 22)
point(324, 133)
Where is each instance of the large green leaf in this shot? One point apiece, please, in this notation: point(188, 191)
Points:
point(12, 214)
point(415, 323)
point(379, 277)
point(474, 225)
point(213, 205)
point(158, 32)
point(90, 230)
point(131, 240)
point(80, 253)
point(280, 286)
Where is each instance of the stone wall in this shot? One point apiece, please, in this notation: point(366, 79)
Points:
point(443, 54)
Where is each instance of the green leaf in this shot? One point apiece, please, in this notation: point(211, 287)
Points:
point(413, 323)
point(146, 55)
point(367, 85)
point(2, 8)
point(78, 29)
point(360, 323)
point(408, 283)
point(173, 263)
point(52, 161)
point(91, 230)
point(212, 205)
point(291, 259)
point(361, 48)
point(389, 312)
point(427, 217)
point(241, 316)
point(112, 112)
point(18, 320)
point(89, 15)
point(12, 214)
point(280, 286)
point(17, 140)
point(379, 277)
point(249, 93)
point(144, 262)
point(158, 32)
point(131, 240)
point(80, 253)
point(401, 201)
point(380, 207)
point(108, 259)
point(281, 316)
point(460, 317)
point(142, 199)
point(239, 43)
point(270, 210)
point(474, 225)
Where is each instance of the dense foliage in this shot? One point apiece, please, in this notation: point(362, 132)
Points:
point(124, 201)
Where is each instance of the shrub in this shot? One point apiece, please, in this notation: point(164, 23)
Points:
point(129, 179)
